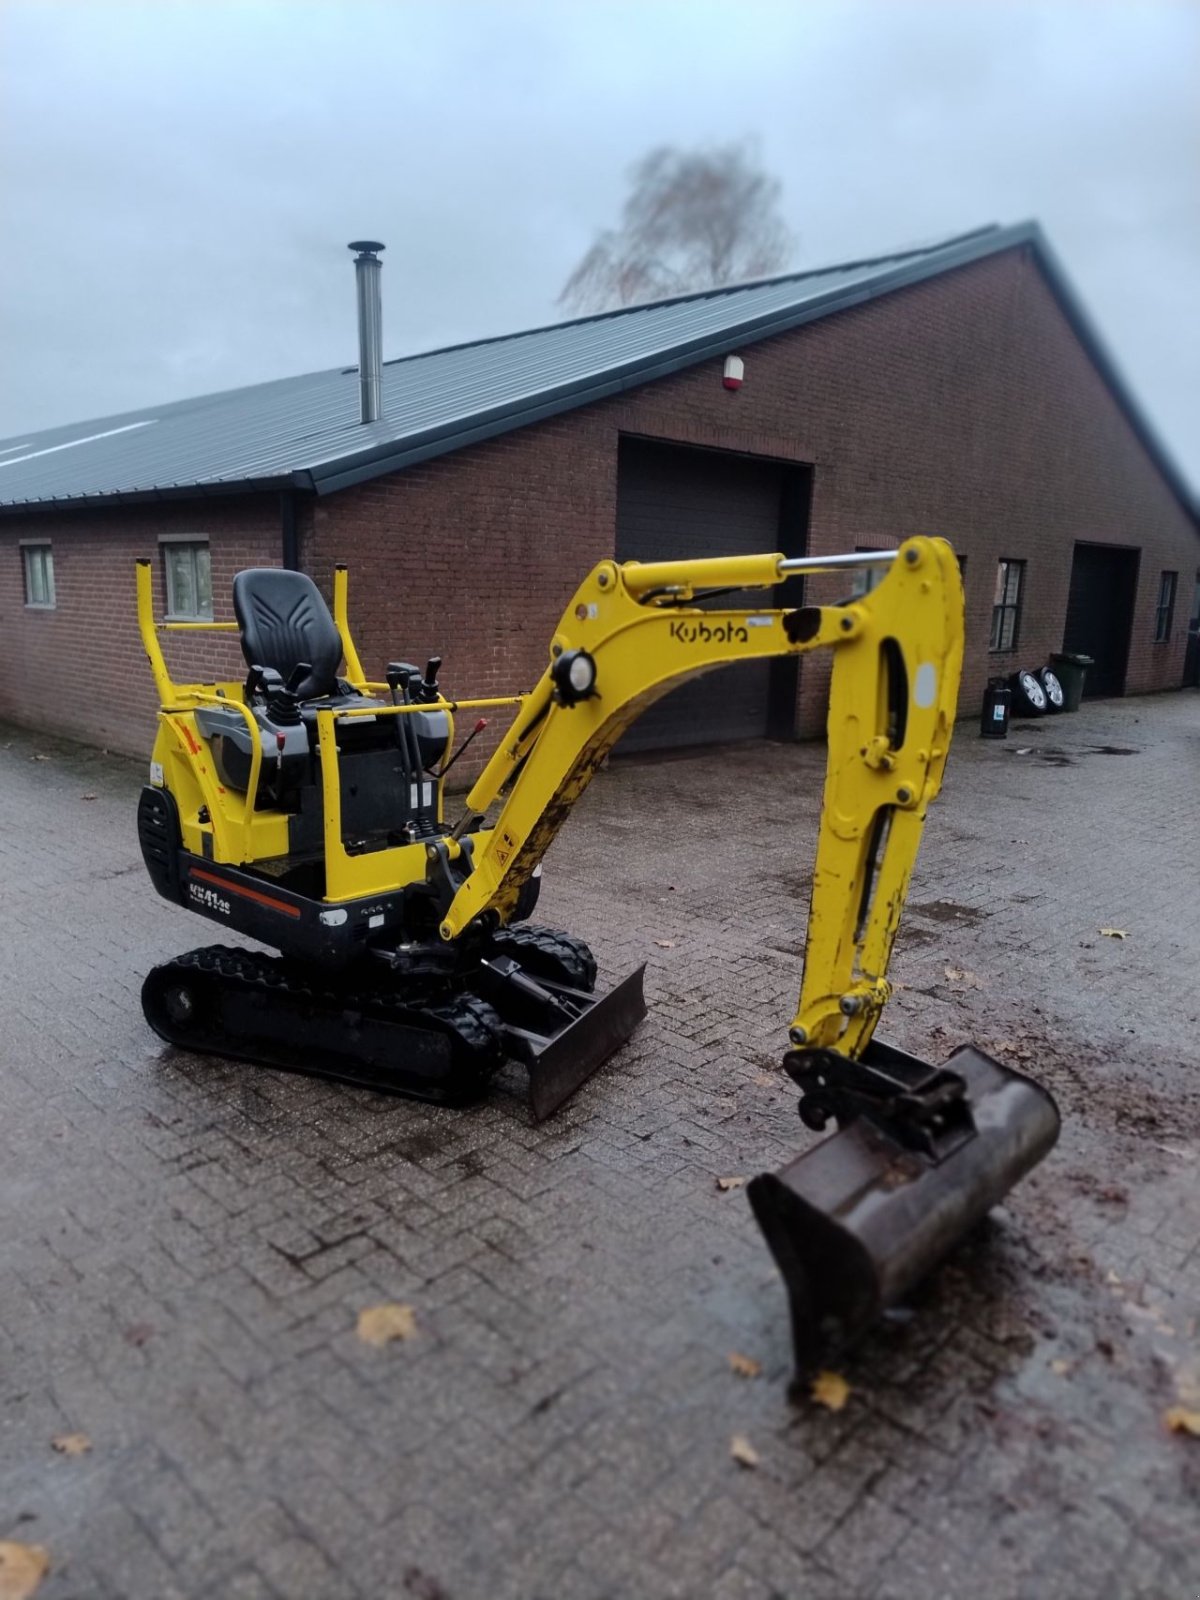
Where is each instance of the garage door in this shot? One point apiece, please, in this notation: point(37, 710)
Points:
point(676, 502)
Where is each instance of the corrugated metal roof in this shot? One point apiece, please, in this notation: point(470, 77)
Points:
point(304, 432)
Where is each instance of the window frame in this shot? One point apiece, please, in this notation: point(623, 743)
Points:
point(1164, 610)
point(170, 544)
point(1006, 606)
point(30, 550)
point(864, 579)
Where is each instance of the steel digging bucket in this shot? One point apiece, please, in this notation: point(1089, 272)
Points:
point(856, 1222)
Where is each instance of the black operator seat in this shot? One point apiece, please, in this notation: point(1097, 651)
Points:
point(285, 623)
point(284, 620)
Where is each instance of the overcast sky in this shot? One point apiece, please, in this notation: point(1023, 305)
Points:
point(179, 181)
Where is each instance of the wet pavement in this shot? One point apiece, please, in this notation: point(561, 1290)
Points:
point(187, 1243)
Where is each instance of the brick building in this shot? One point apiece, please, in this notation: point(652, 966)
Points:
point(958, 389)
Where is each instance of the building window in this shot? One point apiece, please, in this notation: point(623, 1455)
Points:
point(865, 579)
point(1006, 605)
point(1164, 612)
point(39, 575)
point(188, 567)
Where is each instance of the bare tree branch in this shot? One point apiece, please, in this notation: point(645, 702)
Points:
point(692, 220)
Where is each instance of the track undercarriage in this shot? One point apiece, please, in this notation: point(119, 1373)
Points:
point(433, 1037)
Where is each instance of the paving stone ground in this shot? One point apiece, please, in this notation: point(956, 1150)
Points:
point(187, 1243)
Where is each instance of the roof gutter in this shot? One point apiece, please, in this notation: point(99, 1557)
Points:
point(141, 497)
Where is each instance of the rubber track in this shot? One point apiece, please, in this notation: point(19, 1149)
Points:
point(473, 1026)
point(548, 953)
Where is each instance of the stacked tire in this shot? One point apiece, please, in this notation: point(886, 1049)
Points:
point(1036, 694)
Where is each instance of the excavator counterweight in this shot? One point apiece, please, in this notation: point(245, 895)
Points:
point(305, 808)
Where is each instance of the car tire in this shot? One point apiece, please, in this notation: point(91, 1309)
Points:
point(1056, 699)
point(1029, 698)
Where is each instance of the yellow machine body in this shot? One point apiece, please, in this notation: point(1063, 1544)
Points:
point(439, 978)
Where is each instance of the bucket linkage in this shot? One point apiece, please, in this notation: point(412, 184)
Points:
point(922, 1153)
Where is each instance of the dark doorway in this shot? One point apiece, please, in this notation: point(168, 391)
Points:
point(674, 502)
point(1100, 613)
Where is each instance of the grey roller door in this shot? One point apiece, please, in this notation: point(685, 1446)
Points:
point(677, 502)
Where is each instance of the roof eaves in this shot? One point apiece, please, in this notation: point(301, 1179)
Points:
point(183, 491)
point(347, 470)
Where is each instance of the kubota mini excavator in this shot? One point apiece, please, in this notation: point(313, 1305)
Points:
point(305, 809)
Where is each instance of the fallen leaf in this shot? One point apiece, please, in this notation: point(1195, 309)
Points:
point(1114, 933)
point(1180, 1420)
point(1060, 1367)
point(39, 758)
point(22, 1568)
point(960, 975)
point(725, 1184)
point(665, 944)
point(744, 1366)
point(742, 1451)
point(830, 1389)
point(379, 1325)
point(88, 797)
point(71, 1444)
point(766, 1078)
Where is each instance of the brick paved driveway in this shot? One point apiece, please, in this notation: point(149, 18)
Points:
point(186, 1243)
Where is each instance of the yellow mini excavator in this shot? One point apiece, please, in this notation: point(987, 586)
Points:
point(304, 807)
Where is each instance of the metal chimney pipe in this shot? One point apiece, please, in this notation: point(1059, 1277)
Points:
point(367, 267)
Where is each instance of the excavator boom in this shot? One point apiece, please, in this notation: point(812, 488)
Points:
point(635, 632)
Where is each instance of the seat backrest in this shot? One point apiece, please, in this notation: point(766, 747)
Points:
point(285, 621)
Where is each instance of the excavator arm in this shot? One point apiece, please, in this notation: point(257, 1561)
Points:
point(633, 631)
point(922, 1152)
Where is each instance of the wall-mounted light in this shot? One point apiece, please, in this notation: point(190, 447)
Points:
point(735, 372)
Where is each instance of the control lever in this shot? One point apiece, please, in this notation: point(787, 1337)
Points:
point(299, 672)
point(282, 705)
point(399, 674)
point(432, 667)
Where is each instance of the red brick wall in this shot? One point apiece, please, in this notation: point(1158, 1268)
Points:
point(963, 406)
point(80, 668)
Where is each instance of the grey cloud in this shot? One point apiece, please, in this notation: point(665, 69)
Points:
point(179, 181)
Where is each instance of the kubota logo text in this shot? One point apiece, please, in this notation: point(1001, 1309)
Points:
point(701, 633)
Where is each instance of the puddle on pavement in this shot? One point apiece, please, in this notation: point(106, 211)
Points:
point(1052, 755)
point(947, 911)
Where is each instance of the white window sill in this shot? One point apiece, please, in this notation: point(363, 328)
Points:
point(40, 605)
point(181, 616)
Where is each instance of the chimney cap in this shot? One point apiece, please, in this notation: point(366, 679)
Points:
point(366, 246)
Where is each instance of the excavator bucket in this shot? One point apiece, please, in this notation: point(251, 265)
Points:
point(855, 1223)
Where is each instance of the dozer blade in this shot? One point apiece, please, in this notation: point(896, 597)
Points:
point(856, 1222)
point(561, 1061)
point(569, 1060)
